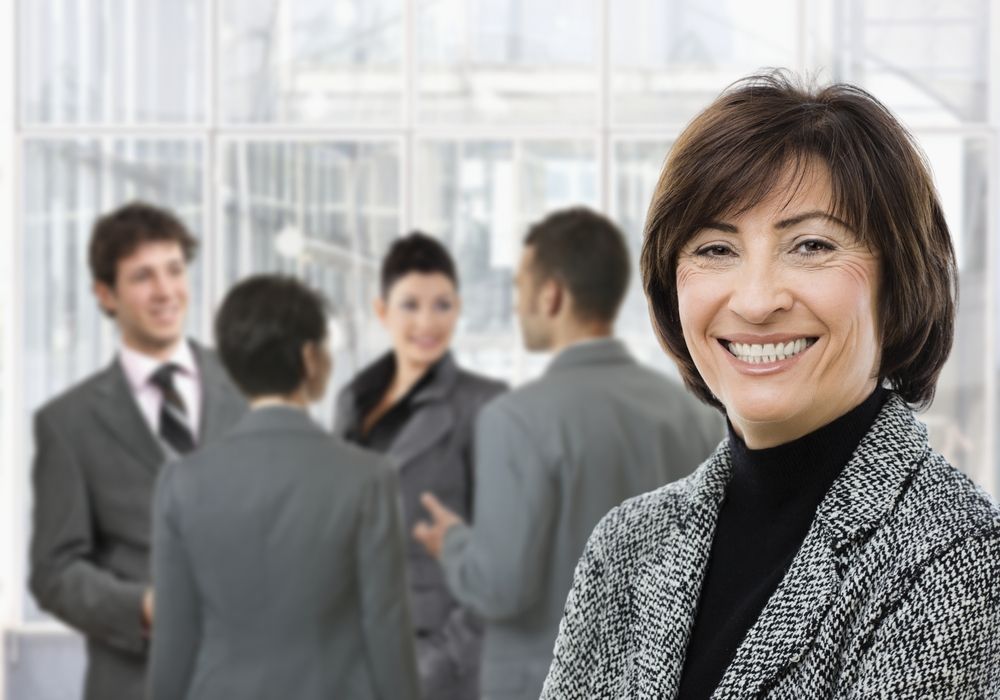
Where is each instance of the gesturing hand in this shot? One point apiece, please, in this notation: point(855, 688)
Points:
point(431, 534)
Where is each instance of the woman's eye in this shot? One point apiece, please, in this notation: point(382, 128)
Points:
point(409, 305)
point(443, 306)
point(716, 250)
point(813, 247)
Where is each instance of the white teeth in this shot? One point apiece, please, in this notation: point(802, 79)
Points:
point(768, 352)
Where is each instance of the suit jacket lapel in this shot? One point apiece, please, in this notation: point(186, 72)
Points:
point(433, 417)
point(117, 410)
point(219, 400)
point(675, 573)
point(858, 501)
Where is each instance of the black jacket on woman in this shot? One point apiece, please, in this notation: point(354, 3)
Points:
point(895, 592)
point(431, 448)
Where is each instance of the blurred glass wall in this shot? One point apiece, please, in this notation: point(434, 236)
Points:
point(303, 135)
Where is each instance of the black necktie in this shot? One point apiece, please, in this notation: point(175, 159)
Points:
point(173, 414)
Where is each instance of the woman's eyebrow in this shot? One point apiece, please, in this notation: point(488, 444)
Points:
point(817, 214)
point(720, 226)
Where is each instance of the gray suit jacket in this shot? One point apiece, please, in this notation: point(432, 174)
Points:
point(95, 465)
point(894, 593)
point(279, 569)
point(434, 453)
point(551, 459)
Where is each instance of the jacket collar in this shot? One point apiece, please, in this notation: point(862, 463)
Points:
point(117, 409)
point(601, 351)
point(860, 499)
point(430, 424)
point(276, 419)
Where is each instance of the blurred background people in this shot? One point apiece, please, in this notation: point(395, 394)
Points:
point(801, 274)
point(100, 445)
point(553, 456)
point(278, 553)
point(416, 405)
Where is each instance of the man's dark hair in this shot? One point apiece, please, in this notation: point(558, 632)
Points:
point(260, 330)
point(585, 252)
point(119, 233)
point(729, 159)
point(416, 252)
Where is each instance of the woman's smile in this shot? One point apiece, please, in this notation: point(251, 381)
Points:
point(766, 356)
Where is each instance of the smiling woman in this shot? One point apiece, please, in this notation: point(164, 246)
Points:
point(418, 406)
point(799, 271)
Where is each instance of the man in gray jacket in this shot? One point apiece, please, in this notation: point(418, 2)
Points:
point(99, 447)
point(553, 456)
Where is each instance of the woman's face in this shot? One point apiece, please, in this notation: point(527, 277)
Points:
point(420, 313)
point(778, 310)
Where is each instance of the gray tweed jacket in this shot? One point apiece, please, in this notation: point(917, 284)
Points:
point(895, 592)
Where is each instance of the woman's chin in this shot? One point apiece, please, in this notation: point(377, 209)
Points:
point(425, 356)
point(766, 410)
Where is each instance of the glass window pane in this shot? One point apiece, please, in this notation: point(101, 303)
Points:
point(479, 197)
point(927, 60)
point(671, 58)
point(43, 665)
point(484, 61)
point(112, 61)
point(957, 418)
point(68, 183)
point(309, 61)
point(636, 169)
point(325, 211)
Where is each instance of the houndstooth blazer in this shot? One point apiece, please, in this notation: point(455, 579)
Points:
point(895, 592)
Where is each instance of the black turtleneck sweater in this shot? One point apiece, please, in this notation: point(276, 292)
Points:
point(770, 503)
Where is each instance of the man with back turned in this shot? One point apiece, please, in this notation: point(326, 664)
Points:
point(553, 456)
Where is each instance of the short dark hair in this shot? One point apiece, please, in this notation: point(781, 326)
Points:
point(416, 252)
point(260, 330)
point(119, 233)
point(586, 252)
point(727, 160)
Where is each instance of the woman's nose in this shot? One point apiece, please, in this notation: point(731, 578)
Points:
point(759, 291)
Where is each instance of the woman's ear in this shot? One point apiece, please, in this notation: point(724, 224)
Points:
point(380, 309)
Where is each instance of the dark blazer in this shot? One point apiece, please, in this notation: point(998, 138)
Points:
point(279, 569)
point(95, 465)
point(895, 592)
point(434, 452)
point(552, 457)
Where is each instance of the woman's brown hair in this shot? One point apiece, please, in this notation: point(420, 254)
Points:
point(728, 160)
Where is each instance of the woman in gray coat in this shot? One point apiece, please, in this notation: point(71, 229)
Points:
point(277, 550)
point(416, 405)
point(799, 270)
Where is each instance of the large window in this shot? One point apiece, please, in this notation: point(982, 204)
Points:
point(304, 135)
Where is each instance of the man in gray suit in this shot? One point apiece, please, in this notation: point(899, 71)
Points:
point(100, 445)
point(553, 456)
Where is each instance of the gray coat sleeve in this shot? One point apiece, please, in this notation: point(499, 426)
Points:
point(64, 578)
point(177, 623)
point(942, 638)
point(495, 567)
point(575, 670)
point(385, 614)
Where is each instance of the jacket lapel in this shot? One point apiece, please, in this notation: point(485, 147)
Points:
point(859, 500)
point(433, 416)
point(674, 573)
point(219, 401)
point(118, 412)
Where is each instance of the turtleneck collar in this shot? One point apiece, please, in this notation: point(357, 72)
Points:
point(807, 465)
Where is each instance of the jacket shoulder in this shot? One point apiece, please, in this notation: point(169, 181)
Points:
point(942, 505)
point(64, 405)
point(479, 386)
